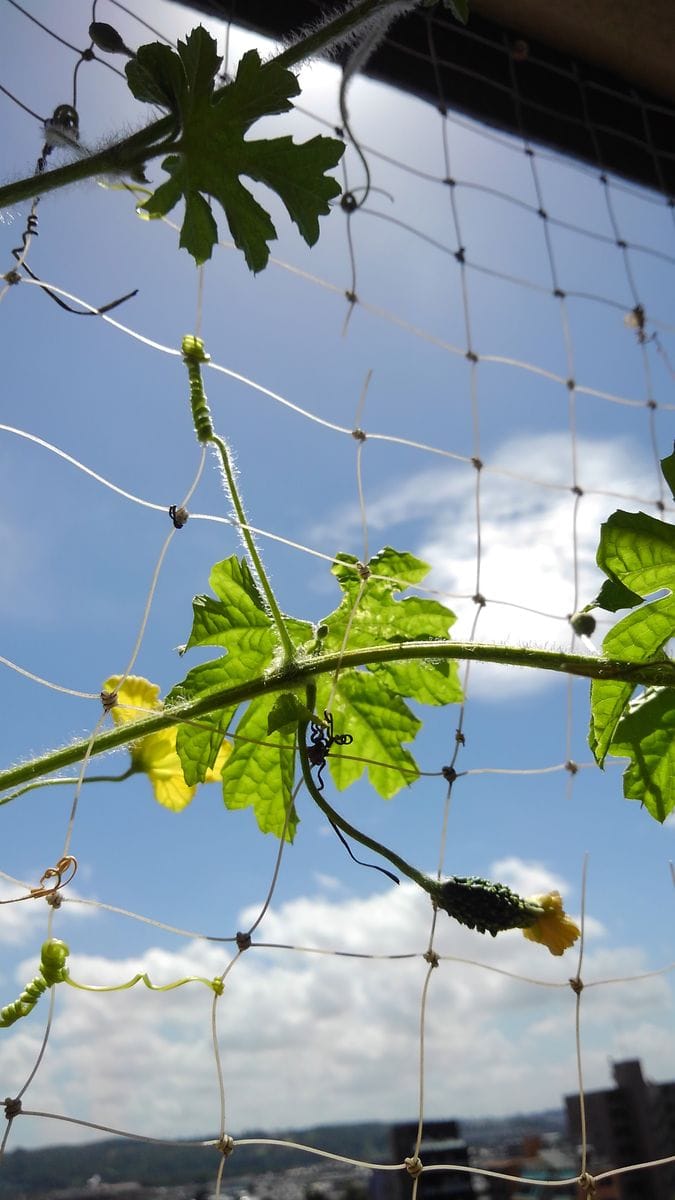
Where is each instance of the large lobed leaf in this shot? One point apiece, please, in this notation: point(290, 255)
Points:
point(213, 153)
point(637, 553)
point(368, 704)
point(379, 617)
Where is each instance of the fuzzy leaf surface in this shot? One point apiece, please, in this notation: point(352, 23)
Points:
point(212, 152)
point(259, 773)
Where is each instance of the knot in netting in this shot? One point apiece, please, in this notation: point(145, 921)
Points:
point(12, 277)
point(576, 490)
point(475, 461)
point(587, 1183)
point(449, 774)
point(109, 701)
point(413, 1166)
point(349, 203)
point(12, 1107)
point(479, 599)
point(225, 1144)
point(571, 766)
point(54, 899)
point(652, 404)
point(363, 571)
point(359, 435)
point(577, 985)
point(243, 941)
point(431, 957)
point(351, 297)
point(179, 515)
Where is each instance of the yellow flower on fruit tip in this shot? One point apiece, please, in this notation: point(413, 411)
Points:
point(554, 929)
point(156, 754)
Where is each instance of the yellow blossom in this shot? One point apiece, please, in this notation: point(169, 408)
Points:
point(156, 754)
point(554, 929)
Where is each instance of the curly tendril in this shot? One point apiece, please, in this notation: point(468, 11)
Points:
point(194, 355)
point(52, 970)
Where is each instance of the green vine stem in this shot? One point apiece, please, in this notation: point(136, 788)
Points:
point(658, 673)
point(194, 355)
point(160, 137)
point(73, 780)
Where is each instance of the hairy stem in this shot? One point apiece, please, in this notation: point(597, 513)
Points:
point(194, 357)
point(299, 674)
point(275, 611)
point(119, 158)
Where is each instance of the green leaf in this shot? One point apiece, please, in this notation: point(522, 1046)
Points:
point(236, 620)
point(212, 152)
point(259, 773)
point(379, 723)
point(155, 75)
point(197, 745)
point(380, 617)
point(613, 596)
point(637, 553)
point(668, 469)
point(609, 698)
point(646, 735)
point(286, 711)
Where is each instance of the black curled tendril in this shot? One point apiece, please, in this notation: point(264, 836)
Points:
point(322, 739)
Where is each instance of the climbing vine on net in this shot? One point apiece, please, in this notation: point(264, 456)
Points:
point(285, 699)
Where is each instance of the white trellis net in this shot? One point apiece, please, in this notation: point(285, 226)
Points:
point(513, 401)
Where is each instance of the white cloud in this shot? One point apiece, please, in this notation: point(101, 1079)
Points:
point(527, 534)
point(314, 1038)
point(23, 918)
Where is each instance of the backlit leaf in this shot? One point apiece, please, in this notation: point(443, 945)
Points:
point(213, 152)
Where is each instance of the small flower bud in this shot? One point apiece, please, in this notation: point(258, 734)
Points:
point(106, 38)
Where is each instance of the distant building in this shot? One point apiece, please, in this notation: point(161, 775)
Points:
point(441, 1145)
point(633, 1122)
point(537, 1163)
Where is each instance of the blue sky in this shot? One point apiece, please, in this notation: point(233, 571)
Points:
point(78, 561)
